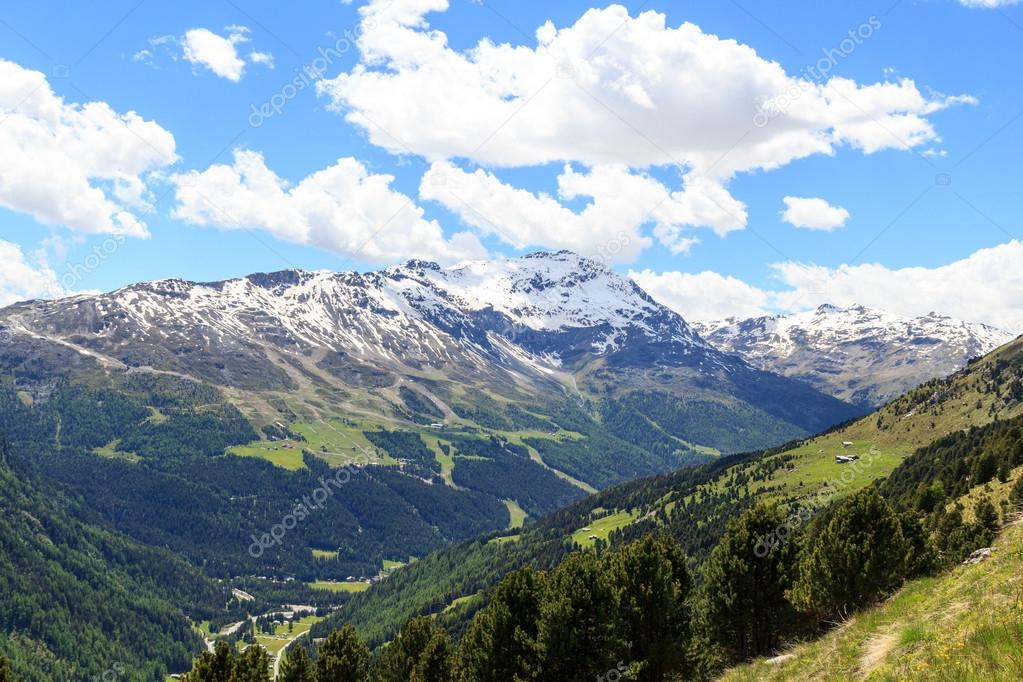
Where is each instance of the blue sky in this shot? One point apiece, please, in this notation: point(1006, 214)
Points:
point(919, 148)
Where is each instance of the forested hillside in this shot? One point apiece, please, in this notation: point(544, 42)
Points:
point(176, 488)
point(695, 505)
point(77, 599)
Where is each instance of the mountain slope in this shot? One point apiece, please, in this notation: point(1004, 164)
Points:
point(77, 599)
point(695, 503)
point(861, 355)
point(964, 625)
point(416, 343)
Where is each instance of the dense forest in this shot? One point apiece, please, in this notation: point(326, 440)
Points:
point(711, 423)
point(157, 485)
point(77, 598)
point(169, 485)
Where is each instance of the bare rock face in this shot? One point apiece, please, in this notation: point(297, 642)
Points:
point(979, 556)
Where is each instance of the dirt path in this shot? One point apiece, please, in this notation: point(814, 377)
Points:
point(875, 651)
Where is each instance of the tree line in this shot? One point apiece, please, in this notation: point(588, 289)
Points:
point(634, 612)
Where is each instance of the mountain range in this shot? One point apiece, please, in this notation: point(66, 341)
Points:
point(482, 417)
point(861, 355)
point(418, 340)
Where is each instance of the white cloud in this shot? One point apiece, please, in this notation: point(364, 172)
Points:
point(621, 203)
point(704, 296)
point(78, 165)
point(813, 213)
point(987, 286)
point(22, 279)
point(988, 4)
point(343, 208)
point(221, 54)
point(264, 58)
point(611, 90)
point(587, 89)
point(217, 53)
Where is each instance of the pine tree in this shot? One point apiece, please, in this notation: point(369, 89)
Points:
point(579, 634)
point(652, 584)
point(217, 666)
point(252, 666)
point(1016, 494)
point(421, 651)
point(501, 642)
point(343, 657)
point(858, 558)
point(743, 604)
point(921, 558)
point(988, 521)
point(436, 662)
point(296, 666)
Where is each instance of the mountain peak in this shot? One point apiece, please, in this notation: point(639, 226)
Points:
point(859, 354)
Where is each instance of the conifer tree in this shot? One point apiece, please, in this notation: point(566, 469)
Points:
point(1016, 494)
point(501, 642)
point(858, 558)
point(422, 651)
point(343, 657)
point(579, 633)
point(296, 666)
point(253, 665)
point(652, 583)
point(743, 600)
point(217, 666)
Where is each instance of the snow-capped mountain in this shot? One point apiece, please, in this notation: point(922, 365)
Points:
point(548, 323)
point(541, 311)
point(861, 355)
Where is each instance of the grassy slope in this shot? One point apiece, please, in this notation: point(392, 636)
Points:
point(602, 527)
point(808, 471)
point(334, 586)
point(964, 625)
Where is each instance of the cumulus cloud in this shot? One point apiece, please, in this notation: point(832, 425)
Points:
point(343, 208)
point(620, 204)
point(609, 89)
point(987, 286)
point(22, 279)
point(813, 213)
point(82, 166)
point(201, 47)
point(217, 53)
point(612, 90)
point(705, 295)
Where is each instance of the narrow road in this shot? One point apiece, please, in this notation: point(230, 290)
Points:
point(283, 651)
